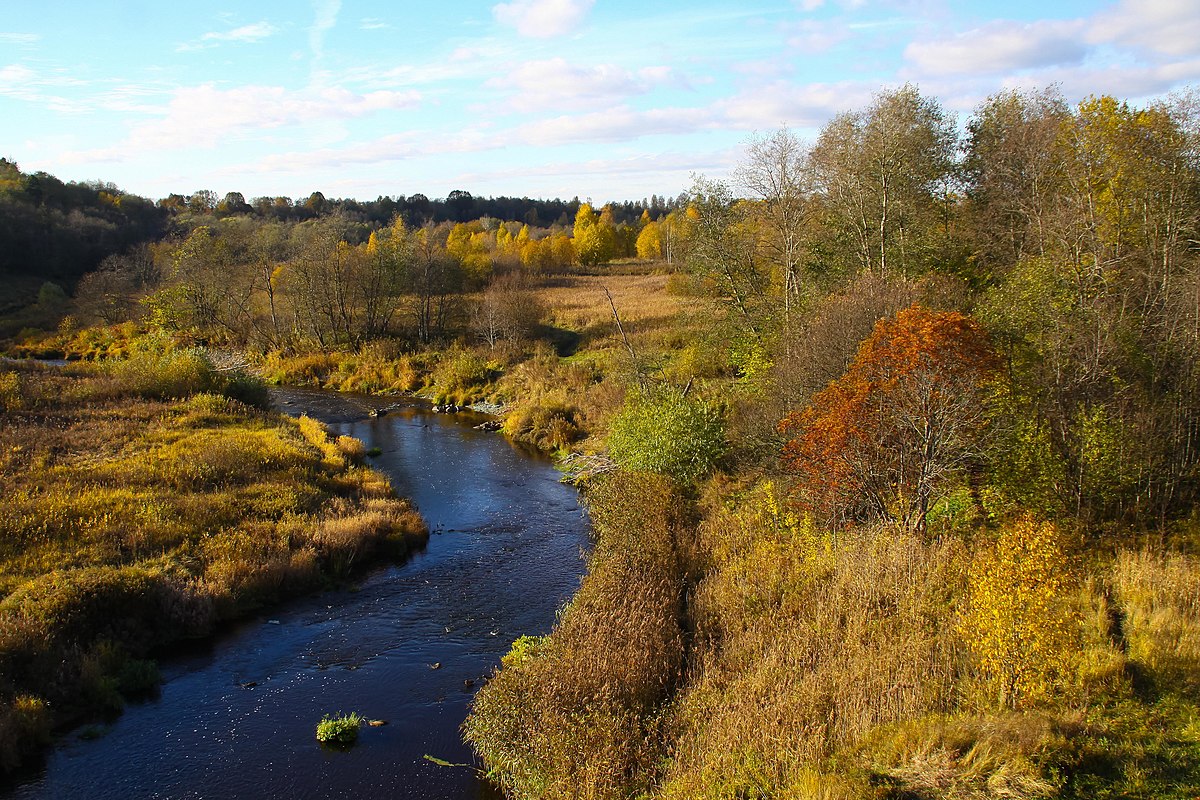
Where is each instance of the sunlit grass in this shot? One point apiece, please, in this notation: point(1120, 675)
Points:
point(130, 520)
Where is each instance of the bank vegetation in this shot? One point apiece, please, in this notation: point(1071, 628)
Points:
point(890, 443)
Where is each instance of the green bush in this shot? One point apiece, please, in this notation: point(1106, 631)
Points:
point(162, 376)
point(247, 389)
point(25, 727)
point(340, 729)
point(661, 431)
point(460, 377)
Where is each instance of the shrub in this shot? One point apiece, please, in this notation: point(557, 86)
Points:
point(24, 727)
point(353, 449)
point(461, 375)
point(547, 422)
point(247, 389)
point(340, 729)
point(1020, 623)
point(662, 431)
point(10, 391)
point(163, 376)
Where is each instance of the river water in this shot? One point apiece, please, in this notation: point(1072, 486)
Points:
point(409, 644)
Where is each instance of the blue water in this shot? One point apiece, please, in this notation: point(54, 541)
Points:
point(236, 718)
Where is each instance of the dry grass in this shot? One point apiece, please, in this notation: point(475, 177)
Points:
point(1159, 599)
point(578, 303)
point(805, 644)
point(576, 715)
point(129, 522)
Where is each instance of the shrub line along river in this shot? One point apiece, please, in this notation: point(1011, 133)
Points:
point(409, 644)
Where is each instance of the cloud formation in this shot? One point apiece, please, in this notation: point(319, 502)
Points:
point(1000, 46)
point(246, 34)
point(204, 116)
point(325, 17)
point(542, 19)
point(557, 84)
point(20, 38)
point(1170, 27)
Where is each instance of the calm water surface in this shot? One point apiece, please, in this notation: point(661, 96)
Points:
point(235, 718)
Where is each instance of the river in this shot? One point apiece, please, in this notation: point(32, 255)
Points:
point(409, 644)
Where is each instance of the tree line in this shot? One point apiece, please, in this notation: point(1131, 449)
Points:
point(56, 231)
point(1067, 233)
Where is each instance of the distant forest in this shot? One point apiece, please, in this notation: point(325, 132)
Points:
point(56, 231)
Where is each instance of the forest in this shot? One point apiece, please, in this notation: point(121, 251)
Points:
point(890, 440)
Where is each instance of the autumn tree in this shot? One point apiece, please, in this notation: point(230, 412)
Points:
point(468, 244)
point(1019, 623)
point(883, 173)
point(1101, 330)
point(435, 278)
point(508, 311)
point(881, 441)
point(1014, 174)
point(594, 235)
point(722, 254)
point(649, 242)
point(776, 173)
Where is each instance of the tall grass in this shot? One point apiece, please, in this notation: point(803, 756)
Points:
point(1159, 596)
point(131, 520)
point(804, 644)
point(577, 714)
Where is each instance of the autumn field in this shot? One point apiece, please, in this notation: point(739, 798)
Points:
point(890, 444)
point(147, 503)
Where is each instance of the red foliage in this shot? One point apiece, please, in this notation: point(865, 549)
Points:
point(879, 440)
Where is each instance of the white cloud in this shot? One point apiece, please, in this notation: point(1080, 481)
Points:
point(616, 124)
point(542, 18)
point(21, 83)
point(614, 178)
point(14, 76)
point(1000, 46)
point(372, 24)
point(20, 38)
point(204, 116)
point(815, 36)
point(246, 33)
point(557, 84)
point(1134, 83)
point(326, 12)
point(808, 105)
point(1163, 26)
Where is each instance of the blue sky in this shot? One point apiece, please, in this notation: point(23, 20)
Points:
point(601, 99)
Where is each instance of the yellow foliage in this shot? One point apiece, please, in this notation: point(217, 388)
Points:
point(1020, 623)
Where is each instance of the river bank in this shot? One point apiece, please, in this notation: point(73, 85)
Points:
point(146, 505)
point(504, 556)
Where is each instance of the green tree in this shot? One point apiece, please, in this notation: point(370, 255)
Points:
point(884, 174)
point(776, 173)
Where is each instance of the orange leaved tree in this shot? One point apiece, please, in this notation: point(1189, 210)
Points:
point(879, 441)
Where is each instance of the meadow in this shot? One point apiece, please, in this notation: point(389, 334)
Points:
point(148, 500)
